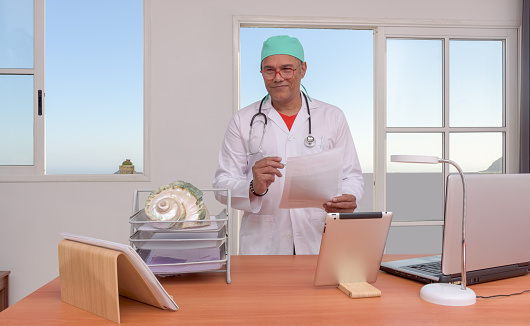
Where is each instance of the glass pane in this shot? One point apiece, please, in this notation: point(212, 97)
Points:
point(342, 81)
point(476, 83)
point(415, 240)
point(414, 83)
point(477, 152)
point(415, 196)
point(16, 120)
point(424, 144)
point(414, 189)
point(94, 86)
point(16, 34)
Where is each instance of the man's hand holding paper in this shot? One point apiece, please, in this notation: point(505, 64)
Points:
point(315, 180)
point(341, 204)
point(265, 172)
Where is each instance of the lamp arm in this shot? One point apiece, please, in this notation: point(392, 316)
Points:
point(464, 275)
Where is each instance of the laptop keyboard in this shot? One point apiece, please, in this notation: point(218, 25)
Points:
point(432, 268)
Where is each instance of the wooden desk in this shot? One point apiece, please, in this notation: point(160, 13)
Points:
point(4, 290)
point(278, 290)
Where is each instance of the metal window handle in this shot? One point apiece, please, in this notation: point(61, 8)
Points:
point(40, 102)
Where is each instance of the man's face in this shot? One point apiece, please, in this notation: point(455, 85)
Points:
point(279, 88)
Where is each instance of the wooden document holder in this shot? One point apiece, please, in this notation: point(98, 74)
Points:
point(93, 278)
point(359, 290)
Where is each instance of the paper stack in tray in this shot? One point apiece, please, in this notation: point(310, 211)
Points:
point(170, 251)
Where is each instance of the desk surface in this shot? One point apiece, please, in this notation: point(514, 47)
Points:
point(278, 290)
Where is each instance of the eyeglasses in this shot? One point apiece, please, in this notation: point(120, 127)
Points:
point(285, 73)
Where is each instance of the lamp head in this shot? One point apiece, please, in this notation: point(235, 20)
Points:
point(415, 159)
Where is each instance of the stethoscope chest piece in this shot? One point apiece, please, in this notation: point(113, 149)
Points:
point(309, 141)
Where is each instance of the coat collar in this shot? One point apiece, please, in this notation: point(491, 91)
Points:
point(301, 117)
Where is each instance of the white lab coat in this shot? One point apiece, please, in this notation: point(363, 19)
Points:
point(266, 229)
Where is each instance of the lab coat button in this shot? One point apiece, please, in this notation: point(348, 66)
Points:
point(291, 138)
point(289, 236)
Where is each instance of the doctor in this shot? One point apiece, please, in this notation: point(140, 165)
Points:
point(250, 159)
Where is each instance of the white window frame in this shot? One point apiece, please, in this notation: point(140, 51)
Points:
point(38, 84)
point(510, 92)
point(36, 172)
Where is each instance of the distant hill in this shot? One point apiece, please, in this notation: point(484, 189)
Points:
point(495, 167)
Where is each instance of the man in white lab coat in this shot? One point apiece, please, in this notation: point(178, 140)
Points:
point(251, 165)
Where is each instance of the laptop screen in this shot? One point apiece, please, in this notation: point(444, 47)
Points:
point(497, 221)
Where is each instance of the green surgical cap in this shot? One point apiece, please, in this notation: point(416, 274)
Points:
point(282, 44)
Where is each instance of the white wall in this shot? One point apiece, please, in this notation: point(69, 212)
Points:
point(191, 102)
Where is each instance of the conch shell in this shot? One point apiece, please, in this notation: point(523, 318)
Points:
point(178, 201)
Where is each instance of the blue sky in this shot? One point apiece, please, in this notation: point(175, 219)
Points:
point(94, 85)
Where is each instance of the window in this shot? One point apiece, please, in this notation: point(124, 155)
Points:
point(21, 126)
point(446, 96)
point(332, 76)
point(92, 111)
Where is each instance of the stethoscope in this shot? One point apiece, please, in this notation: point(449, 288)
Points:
point(309, 141)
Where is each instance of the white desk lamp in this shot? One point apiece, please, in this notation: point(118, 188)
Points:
point(443, 293)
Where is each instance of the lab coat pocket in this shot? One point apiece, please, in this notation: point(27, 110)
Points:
point(317, 222)
point(323, 143)
point(256, 234)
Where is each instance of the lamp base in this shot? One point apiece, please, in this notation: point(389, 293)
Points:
point(448, 294)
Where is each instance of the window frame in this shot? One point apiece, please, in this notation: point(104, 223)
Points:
point(510, 127)
point(384, 29)
point(37, 172)
point(38, 84)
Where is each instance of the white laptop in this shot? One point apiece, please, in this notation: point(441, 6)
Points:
point(497, 228)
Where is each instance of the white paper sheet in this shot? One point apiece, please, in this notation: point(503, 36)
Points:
point(311, 180)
